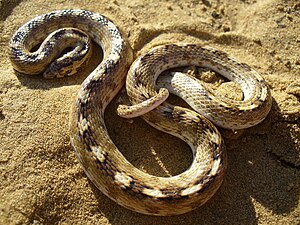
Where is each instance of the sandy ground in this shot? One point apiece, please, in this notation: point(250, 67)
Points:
point(41, 181)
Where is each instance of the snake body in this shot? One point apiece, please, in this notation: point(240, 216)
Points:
point(103, 163)
point(142, 82)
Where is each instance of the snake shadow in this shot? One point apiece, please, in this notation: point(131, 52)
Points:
point(6, 8)
point(254, 176)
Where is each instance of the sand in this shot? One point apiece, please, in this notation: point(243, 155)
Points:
point(41, 180)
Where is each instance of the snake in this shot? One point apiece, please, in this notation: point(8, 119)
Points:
point(58, 44)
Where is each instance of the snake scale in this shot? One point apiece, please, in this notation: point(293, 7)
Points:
point(103, 163)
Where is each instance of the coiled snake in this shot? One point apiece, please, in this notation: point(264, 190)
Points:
point(107, 168)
